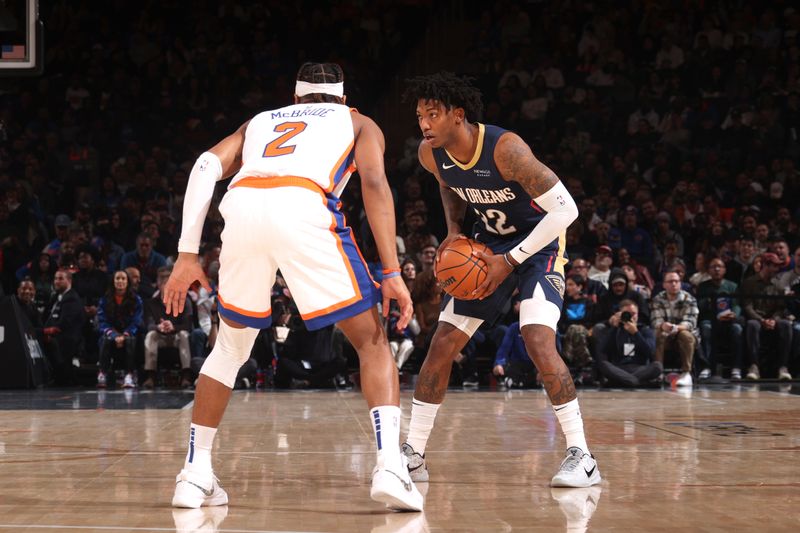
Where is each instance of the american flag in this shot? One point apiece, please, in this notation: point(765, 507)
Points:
point(12, 51)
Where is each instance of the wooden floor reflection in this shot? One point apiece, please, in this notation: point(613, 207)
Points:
point(724, 459)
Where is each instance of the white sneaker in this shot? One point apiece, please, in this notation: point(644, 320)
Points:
point(395, 489)
point(128, 382)
point(578, 505)
point(684, 381)
point(783, 374)
point(205, 520)
point(736, 373)
point(101, 380)
point(705, 373)
point(195, 490)
point(578, 469)
point(417, 468)
point(753, 373)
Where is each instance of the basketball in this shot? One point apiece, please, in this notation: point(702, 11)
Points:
point(458, 271)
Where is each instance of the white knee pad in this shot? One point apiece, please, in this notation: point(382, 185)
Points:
point(230, 352)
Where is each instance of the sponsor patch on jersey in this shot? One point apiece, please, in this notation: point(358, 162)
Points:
point(556, 282)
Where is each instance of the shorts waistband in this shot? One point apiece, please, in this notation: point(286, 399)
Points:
point(271, 182)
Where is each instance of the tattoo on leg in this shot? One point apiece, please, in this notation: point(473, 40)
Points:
point(428, 389)
point(559, 386)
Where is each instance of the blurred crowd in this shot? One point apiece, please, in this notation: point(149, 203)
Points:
point(675, 127)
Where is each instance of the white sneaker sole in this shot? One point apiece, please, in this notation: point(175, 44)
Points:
point(190, 496)
point(388, 489)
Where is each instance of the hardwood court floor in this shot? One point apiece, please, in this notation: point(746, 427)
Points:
point(715, 459)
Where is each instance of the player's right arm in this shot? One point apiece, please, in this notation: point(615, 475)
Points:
point(219, 162)
point(379, 205)
point(454, 207)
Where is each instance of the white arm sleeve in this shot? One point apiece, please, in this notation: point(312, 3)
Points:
point(561, 211)
point(207, 171)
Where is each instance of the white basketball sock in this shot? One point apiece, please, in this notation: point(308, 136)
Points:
point(201, 440)
point(419, 429)
point(569, 416)
point(386, 427)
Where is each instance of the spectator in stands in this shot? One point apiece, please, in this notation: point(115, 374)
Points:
point(119, 318)
point(26, 298)
point(591, 287)
point(573, 327)
point(41, 271)
point(700, 271)
point(408, 269)
point(781, 248)
point(633, 238)
point(63, 324)
point(89, 282)
point(427, 298)
point(607, 311)
point(61, 225)
point(721, 320)
point(601, 269)
point(766, 316)
point(427, 257)
point(143, 291)
point(165, 330)
point(737, 267)
point(673, 314)
point(633, 284)
point(147, 260)
point(512, 365)
point(417, 236)
point(641, 274)
point(785, 280)
point(625, 359)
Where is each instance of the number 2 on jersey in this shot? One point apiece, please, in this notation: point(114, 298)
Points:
point(495, 221)
point(276, 148)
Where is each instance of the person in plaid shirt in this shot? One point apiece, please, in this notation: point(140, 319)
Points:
point(673, 315)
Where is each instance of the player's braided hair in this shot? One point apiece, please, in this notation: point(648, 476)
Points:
point(320, 73)
point(447, 88)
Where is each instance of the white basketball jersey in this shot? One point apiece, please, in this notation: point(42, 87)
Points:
point(313, 141)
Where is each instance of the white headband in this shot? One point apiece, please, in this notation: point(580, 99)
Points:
point(303, 88)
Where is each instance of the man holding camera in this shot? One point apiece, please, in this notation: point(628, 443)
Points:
point(673, 314)
point(624, 358)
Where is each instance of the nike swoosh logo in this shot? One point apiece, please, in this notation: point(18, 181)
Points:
point(205, 491)
point(523, 251)
point(406, 484)
point(590, 472)
point(445, 167)
point(559, 409)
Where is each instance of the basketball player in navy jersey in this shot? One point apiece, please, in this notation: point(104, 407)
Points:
point(524, 211)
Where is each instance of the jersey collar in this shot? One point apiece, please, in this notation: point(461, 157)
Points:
point(475, 156)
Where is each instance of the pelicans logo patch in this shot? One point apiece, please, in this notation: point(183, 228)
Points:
point(557, 282)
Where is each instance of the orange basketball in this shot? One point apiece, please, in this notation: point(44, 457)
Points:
point(458, 271)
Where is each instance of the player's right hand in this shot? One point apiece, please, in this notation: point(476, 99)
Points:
point(447, 240)
point(394, 288)
point(186, 271)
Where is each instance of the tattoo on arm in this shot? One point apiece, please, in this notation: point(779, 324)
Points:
point(559, 386)
point(517, 163)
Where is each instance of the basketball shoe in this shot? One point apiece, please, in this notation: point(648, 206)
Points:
point(393, 486)
point(578, 469)
point(195, 489)
point(578, 505)
point(417, 468)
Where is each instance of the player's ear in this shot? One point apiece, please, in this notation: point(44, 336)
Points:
point(458, 112)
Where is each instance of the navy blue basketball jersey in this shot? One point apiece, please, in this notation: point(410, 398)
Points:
point(506, 211)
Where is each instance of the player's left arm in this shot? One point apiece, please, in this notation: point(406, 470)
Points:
point(516, 162)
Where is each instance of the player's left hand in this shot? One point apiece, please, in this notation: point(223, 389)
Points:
point(394, 288)
point(186, 271)
point(498, 271)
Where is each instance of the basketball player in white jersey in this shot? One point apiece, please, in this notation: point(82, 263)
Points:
point(281, 211)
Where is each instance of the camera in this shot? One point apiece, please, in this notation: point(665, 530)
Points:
point(626, 316)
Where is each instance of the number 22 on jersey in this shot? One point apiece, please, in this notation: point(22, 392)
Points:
point(278, 147)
